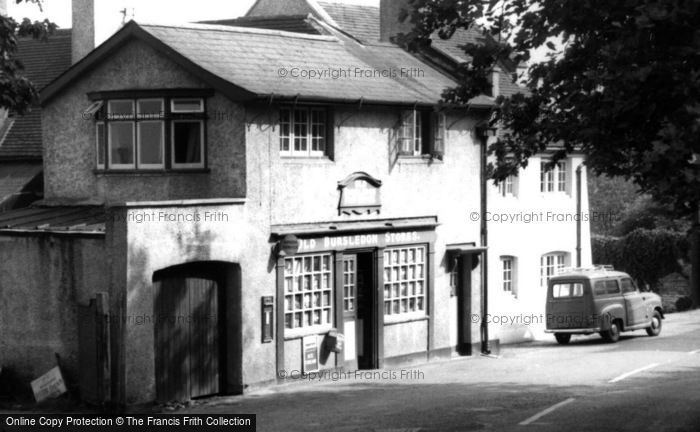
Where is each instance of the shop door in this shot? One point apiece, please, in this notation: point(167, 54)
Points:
point(359, 306)
point(186, 338)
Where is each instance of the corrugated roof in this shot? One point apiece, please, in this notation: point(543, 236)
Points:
point(43, 61)
point(79, 219)
point(360, 21)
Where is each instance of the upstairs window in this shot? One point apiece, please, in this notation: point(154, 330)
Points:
point(508, 187)
point(150, 133)
point(304, 132)
point(422, 133)
point(553, 180)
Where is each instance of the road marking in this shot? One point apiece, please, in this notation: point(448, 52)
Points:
point(694, 352)
point(545, 412)
point(628, 374)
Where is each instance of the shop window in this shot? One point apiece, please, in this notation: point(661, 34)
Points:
point(305, 131)
point(551, 264)
point(131, 133)
point(422, 133)
point(308, 298)
point(404, 280)
point(554, 179)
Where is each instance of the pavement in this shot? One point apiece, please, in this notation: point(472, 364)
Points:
point(640, 383)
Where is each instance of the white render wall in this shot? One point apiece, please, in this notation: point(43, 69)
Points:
point(526, 226)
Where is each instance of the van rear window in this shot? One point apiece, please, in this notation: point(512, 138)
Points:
point(560, 290)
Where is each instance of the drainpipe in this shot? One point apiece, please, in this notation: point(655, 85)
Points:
point(484, 132)
point(579, 217)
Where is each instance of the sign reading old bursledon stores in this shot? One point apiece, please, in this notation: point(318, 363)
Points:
point(359, 194)
point(355, 241)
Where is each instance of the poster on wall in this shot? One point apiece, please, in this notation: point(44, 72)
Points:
point(310, 353)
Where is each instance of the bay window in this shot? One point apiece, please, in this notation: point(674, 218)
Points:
point(150, 132)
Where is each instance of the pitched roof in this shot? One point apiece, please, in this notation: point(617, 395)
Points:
point(360, 21)
point(247, 64)
point(14, 177)
point(290, 23)
point(43, 61)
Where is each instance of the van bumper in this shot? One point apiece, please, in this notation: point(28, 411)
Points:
point(575, 330)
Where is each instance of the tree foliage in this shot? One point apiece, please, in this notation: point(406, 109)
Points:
point(16, 92)
point(621, 84)
point(635, 253)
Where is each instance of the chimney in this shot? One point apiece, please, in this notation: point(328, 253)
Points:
point(83, 32)
point(389, 24)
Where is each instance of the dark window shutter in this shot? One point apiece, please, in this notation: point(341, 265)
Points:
point(330, 133)
point(427, 131)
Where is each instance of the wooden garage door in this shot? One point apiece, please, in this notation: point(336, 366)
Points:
point(186, 338)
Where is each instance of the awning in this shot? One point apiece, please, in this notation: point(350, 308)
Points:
point(355, 226)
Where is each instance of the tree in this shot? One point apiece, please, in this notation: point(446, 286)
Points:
point(621, 83)
point(16, 92)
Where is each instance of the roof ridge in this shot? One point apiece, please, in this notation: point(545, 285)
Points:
point(348, 5)
point(236, 29)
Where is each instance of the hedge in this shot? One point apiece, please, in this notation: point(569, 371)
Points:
point(646, 254)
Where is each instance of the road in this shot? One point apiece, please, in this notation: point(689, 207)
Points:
point(640, 383)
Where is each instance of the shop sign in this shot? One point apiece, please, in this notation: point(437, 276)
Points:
point(357, 241)
point(359, 194)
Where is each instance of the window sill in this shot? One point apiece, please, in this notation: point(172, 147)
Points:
point(306, 160)
point(150, 173)
point(404, 318)
point(419, 160)
point(298, 333)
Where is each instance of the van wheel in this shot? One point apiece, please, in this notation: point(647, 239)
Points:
point(562, 338)
point(655, 327)
point(612, 334)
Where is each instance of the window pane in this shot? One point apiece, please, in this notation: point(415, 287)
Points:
point(120, 110)
point(187, 105)
point(100, 144)
point(187, 142)
point(121, 142)
point(150, 143)
point(150, 108)
point(285, 129)
point(301, 130)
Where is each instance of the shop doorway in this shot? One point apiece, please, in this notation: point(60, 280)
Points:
point(360, 309)
point(464, 264)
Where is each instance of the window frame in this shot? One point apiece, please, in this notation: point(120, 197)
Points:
point(202, 153)
point(389, 282)
point(427, 136)
point(104, 118)
point(304, 329)
point(309, 137)
point(555, 180)
point(509, 284)
point(559, 262)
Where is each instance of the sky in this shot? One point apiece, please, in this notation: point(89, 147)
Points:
point(108, 15)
